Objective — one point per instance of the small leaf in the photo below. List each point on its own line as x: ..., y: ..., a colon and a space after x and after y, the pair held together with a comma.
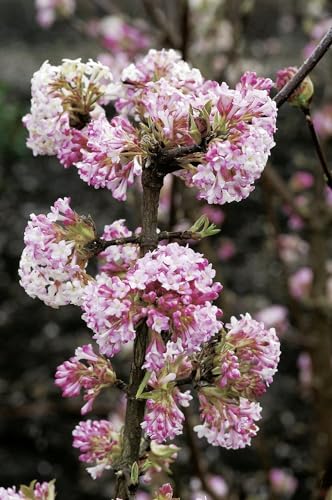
x: 146, y: 378
x: 134, y: 473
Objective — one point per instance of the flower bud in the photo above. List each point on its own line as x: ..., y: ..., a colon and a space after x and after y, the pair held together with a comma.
x: 302, y: 95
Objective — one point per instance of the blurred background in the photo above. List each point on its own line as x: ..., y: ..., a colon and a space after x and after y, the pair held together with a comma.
x: 272, y: 262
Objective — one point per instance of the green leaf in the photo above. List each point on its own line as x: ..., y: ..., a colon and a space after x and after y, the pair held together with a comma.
x: 146, y: 378
x: 134, y: 473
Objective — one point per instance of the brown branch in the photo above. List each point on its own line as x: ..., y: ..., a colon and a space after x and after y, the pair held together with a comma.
x: 97, y: 246
x: 305, y: 69
x: 319, y: 151
x: 132, y: 431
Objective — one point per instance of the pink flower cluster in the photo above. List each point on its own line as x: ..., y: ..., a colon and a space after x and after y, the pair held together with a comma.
x: 85, y: 371
x: 245, y: 361
x: 37, y: 491
x: 227, y: 423
x: 47, y: 10
x: 99, y: 444
x: 52, y: 266
x: 169, y: 105
x: 117, y: 258
x: 164, y: 419
x: 171, y: 287
x: 111, y: 156
x: 64, y: 99
x: 55, y: 257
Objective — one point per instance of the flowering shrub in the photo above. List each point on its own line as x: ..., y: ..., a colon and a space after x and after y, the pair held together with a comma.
x: 148, y: 293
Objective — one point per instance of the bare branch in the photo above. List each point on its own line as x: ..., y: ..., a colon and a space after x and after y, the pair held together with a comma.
x: 318, y: 147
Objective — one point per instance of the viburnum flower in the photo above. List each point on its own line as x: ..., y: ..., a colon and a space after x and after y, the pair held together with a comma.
x: 164, y: 419
x: 99, y: 444
x: 85, y: 371
x: 10, y: 494
x: 111, y: 157
x: 64, y: 100
x: 47, y: 10
x: 247, y: 358
x: 35, y: 491
x: 242, y: 123
x: 172, y: 287
x: 226, y: 422
x: 302, y: 96
x: 53, y: 263
x: 117, y: 259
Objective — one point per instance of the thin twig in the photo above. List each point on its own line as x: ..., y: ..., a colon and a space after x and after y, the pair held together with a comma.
x: 318, y: 147
x: 305, y: 69
x: 98, y: 246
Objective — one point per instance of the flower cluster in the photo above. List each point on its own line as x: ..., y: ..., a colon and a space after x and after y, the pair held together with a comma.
x: 35, y: 491
x: 85, y: 371
x: 171, y: 288
x: 53, y: 263
x: 64, y: 100
x: 245, y: 360
x: 164, y: 419
x: 111, y: 156
x: 99, y: 444
x: 227, y: 134
x: 117, y: 259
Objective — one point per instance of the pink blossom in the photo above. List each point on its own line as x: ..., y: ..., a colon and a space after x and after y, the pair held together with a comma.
x: 111, y: 158
x: 109, y: 310
x: 85, y: 371
x: 53, y: 263
x: 163, y: 419
x: 292, y: 248
x: 47, y: 10
x: 243, y: 121
x: 227, y: 423
x: 274, y: 316
x: 172, y: 287
x: 282, y: 482
x: 300, y: 283
x: 99, y: 444
x: 165, y: 492
x: 258, y: 353
x: 214, y: 214
x: 304, y: 364
x: 10, y: 494
x: 120, y: 37
x: 301, y: 180
x: 226, y: 249
x: 322, y: 119
x: 64, y: 99
x: 117, y: 258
